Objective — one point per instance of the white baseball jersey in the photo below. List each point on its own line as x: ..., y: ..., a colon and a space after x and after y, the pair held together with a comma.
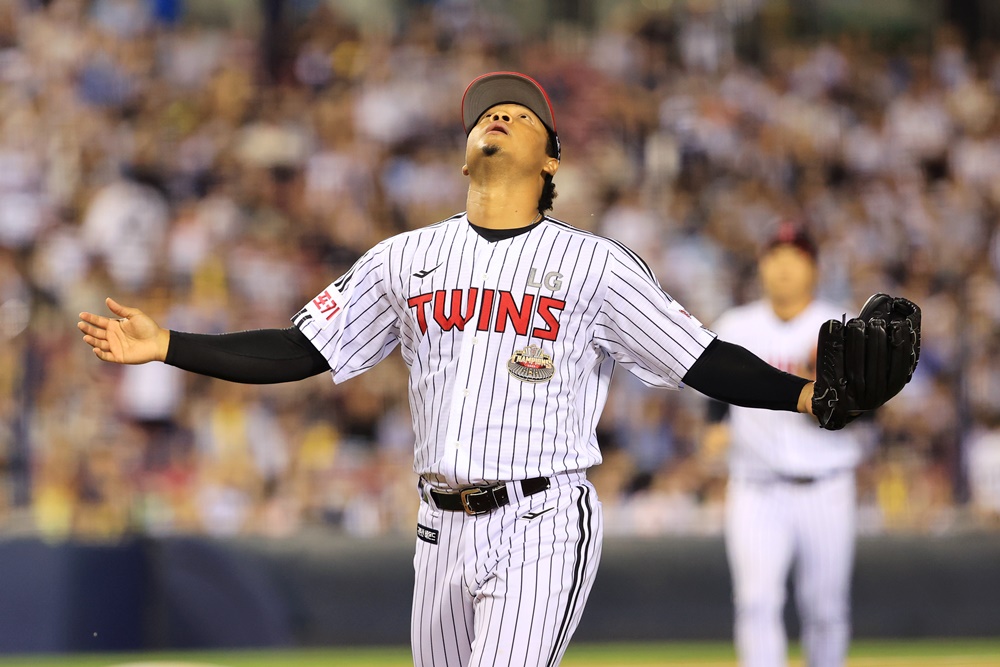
x: 764, y: 443
x: 510, y: 344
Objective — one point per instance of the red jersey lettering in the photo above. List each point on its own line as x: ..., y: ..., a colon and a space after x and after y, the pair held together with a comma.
x: 485, y: 311
x: 455, y: 317
x: 418, y: 302
x: 453, y: 309
x: 546, y: 305
x: 507, y: 309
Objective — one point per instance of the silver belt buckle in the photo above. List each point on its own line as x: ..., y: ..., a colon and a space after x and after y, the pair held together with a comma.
x: 474, y: 491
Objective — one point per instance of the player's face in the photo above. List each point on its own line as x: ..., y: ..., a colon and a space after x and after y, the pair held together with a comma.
x: 787, y: 273
x: 509, y: 132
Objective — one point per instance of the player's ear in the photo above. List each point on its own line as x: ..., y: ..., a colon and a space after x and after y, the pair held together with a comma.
x: 465, y: 170
x: 551, y: 166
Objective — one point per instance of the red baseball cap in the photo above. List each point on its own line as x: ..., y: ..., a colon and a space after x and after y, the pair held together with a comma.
x: 790, y: 233
x: 488, y: 90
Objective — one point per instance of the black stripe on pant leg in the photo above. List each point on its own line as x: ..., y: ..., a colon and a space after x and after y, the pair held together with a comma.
x: 582, y: 554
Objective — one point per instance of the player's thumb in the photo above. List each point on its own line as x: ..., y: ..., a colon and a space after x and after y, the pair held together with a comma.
x: 120, y: 310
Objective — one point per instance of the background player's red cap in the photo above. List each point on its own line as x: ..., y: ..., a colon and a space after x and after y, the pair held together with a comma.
x: 790, y: 233
x: 494, y: 88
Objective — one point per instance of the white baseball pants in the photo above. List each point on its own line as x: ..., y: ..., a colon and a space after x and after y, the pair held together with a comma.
x: 771, y: 526
x: 508, y: 587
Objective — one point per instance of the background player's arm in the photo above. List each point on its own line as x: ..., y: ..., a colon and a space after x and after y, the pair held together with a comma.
x: 714, y: 441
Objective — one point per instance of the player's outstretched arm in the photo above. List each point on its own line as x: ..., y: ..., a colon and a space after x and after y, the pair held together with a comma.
x: 261, y: 356
x: 732, y: 374
x: 130, y: 338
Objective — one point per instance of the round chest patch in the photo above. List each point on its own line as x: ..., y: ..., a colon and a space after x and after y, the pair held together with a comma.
x: 531, y: 364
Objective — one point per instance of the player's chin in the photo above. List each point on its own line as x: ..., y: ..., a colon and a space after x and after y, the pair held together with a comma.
x: 489, y: 150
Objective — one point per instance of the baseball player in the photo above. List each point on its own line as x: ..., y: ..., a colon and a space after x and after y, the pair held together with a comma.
x: 511, y: 323
x: 791, y: 495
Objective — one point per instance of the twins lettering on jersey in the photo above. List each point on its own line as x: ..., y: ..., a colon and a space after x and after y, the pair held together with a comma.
x: 493, y: 310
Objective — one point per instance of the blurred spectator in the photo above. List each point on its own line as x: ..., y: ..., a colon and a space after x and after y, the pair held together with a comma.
x: 125, y: 227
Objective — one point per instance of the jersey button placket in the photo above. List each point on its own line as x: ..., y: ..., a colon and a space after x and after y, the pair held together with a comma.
x: 471, y: 337
x: 463, y: 388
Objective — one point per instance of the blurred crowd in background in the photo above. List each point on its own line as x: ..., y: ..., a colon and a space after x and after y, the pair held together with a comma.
x: 219, y: 175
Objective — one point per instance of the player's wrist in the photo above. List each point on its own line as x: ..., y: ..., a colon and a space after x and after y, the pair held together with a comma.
x: 162, y: 344
x: 805, y: 398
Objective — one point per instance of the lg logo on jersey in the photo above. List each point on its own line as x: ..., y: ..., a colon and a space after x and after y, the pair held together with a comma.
x: 453, y: 309
x: 552, y: 280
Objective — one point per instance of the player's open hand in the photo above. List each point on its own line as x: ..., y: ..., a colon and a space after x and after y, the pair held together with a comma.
x: 131, y: 338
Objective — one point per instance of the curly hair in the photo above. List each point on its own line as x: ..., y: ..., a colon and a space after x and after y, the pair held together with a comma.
x: 549, y: 189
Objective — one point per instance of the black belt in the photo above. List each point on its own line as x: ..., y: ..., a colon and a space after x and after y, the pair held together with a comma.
x: 795, y: 480
x: 799, y: 480
x: 806, y: 480
x: 483, y: 499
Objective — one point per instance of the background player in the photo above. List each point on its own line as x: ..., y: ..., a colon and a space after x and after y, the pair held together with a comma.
x: 511, y: 323
x: 791, y: 494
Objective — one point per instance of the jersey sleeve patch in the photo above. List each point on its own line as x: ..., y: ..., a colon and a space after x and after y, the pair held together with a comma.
x: 325, y: 307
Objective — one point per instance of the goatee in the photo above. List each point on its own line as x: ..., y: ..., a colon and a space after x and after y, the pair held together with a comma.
x: 489, y: 150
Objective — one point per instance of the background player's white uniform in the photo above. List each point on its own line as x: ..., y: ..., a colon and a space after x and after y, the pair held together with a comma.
x: 791, y: 497
x: 507, y: 587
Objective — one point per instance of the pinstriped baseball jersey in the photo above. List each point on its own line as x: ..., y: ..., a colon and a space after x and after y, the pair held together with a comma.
x: 510, y: 344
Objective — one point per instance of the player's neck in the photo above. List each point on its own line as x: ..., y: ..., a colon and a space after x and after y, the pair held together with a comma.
x: 788, y: 309
x: 502, y: 205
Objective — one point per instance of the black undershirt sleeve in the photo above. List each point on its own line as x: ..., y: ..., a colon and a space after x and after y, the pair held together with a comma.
x: 734, y: 375
x: 262, y: 356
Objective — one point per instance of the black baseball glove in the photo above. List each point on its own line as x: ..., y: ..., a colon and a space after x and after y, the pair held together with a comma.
x: 862, y: 363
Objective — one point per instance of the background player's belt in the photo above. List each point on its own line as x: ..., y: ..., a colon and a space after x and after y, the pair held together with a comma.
x: 483, y: 499
x: 806, y: 480
x: 795, y: 480
x: 800, y: 480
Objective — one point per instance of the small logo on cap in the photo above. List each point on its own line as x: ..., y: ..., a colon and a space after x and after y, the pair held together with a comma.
x: 531, y: 364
